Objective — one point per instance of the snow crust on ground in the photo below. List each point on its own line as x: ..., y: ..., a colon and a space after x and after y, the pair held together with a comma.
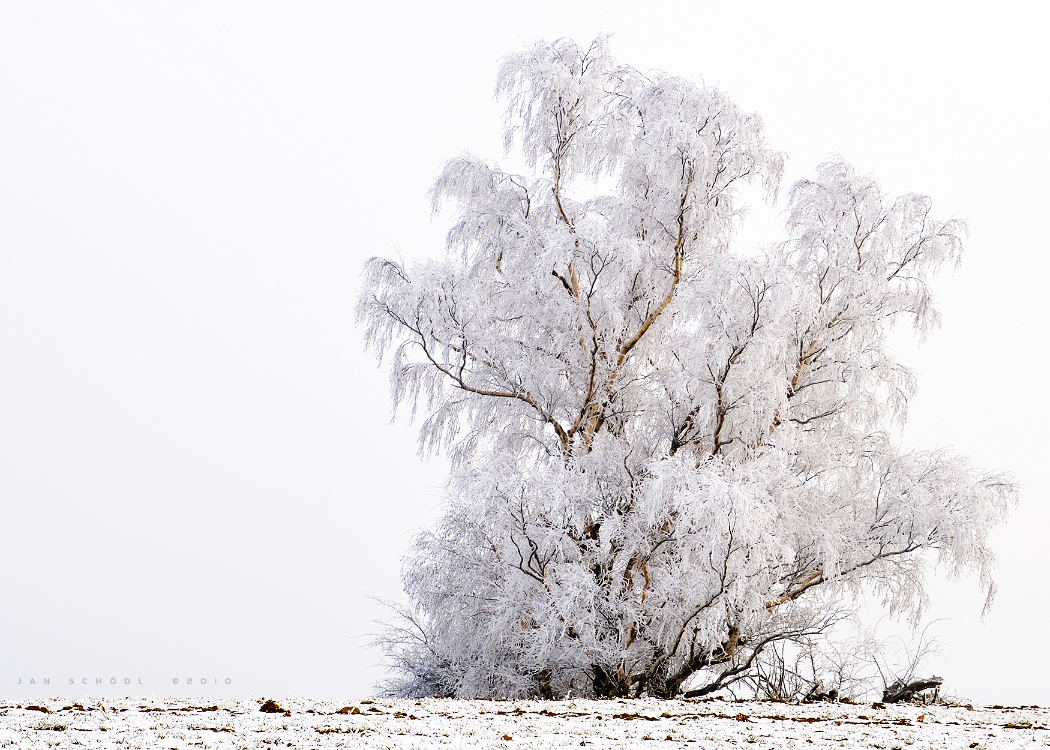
x: 649, y: 724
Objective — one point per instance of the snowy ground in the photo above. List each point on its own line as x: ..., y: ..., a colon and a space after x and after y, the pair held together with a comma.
x: 648, y: 724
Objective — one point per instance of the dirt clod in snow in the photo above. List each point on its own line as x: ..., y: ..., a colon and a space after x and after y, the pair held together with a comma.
x: 271, y: 707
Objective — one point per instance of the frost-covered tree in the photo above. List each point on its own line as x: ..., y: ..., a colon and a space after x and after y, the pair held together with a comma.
x: 666, y: 454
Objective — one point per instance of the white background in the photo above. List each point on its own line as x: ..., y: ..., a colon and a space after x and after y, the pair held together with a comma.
x: 198, y: 474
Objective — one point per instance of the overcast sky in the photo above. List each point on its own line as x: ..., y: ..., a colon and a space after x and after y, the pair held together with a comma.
x: 198, y: 474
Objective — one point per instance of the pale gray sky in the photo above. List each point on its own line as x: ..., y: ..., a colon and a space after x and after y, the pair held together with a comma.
x: 198, y: 477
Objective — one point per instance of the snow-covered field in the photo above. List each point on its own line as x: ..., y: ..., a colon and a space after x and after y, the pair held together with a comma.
x: 433, y: 723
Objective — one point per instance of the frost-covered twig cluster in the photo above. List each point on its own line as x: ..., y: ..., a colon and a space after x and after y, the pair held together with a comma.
x: 667, y: 455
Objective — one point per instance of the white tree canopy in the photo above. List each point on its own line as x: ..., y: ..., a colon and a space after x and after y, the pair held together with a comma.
x: 665, y: 453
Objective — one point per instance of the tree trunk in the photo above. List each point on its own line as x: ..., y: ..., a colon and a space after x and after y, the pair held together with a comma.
x: 905, y: 691
x: 543, y: 679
